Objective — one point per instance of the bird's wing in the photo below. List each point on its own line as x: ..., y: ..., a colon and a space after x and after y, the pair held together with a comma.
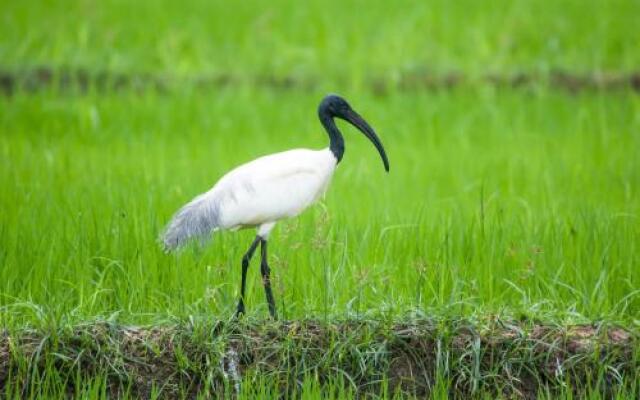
x: 279, y: 186
x: 263, y: 190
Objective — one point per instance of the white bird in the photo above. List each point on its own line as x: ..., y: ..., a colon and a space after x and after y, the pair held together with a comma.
x: 267, y: 189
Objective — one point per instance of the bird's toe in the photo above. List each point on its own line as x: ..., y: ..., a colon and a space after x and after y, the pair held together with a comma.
x: 240, y: 309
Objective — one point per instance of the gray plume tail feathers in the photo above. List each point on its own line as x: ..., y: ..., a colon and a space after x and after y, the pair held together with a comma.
x: 197, y: 219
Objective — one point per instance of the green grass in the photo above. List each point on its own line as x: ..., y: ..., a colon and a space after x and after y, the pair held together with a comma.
x: 496, y: 202
x: 346, y: 41
x: 520, y: 202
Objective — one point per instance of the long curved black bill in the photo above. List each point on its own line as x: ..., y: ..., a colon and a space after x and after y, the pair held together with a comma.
x: 357, y: 121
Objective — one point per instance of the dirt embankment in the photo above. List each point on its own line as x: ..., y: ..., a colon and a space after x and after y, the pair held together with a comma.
x: 82, y: 80
x: 509, y: 358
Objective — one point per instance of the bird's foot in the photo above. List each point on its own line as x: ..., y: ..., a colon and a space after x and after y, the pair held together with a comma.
x: 240, y: 309
x: 273, y: 313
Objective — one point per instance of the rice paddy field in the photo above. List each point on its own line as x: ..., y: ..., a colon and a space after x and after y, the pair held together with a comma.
x: 513, y: 134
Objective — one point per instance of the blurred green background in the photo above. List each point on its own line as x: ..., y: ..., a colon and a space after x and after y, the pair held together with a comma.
x: 351, y: 40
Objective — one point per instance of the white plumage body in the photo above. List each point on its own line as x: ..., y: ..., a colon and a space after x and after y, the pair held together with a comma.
x: 255, y: 194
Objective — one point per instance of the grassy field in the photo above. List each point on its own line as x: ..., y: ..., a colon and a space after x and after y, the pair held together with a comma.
x: 501, y: 201
x: 329, y: 40
x: 496, y: 202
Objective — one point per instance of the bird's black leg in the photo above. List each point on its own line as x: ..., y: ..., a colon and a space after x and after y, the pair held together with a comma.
x: 245, y: 266
x: 266, y: 281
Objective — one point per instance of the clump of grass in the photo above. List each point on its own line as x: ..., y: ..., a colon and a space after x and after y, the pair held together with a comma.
x: 416, y: 357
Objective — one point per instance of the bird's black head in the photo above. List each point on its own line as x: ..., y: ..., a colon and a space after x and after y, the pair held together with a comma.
x: 334, y: 106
